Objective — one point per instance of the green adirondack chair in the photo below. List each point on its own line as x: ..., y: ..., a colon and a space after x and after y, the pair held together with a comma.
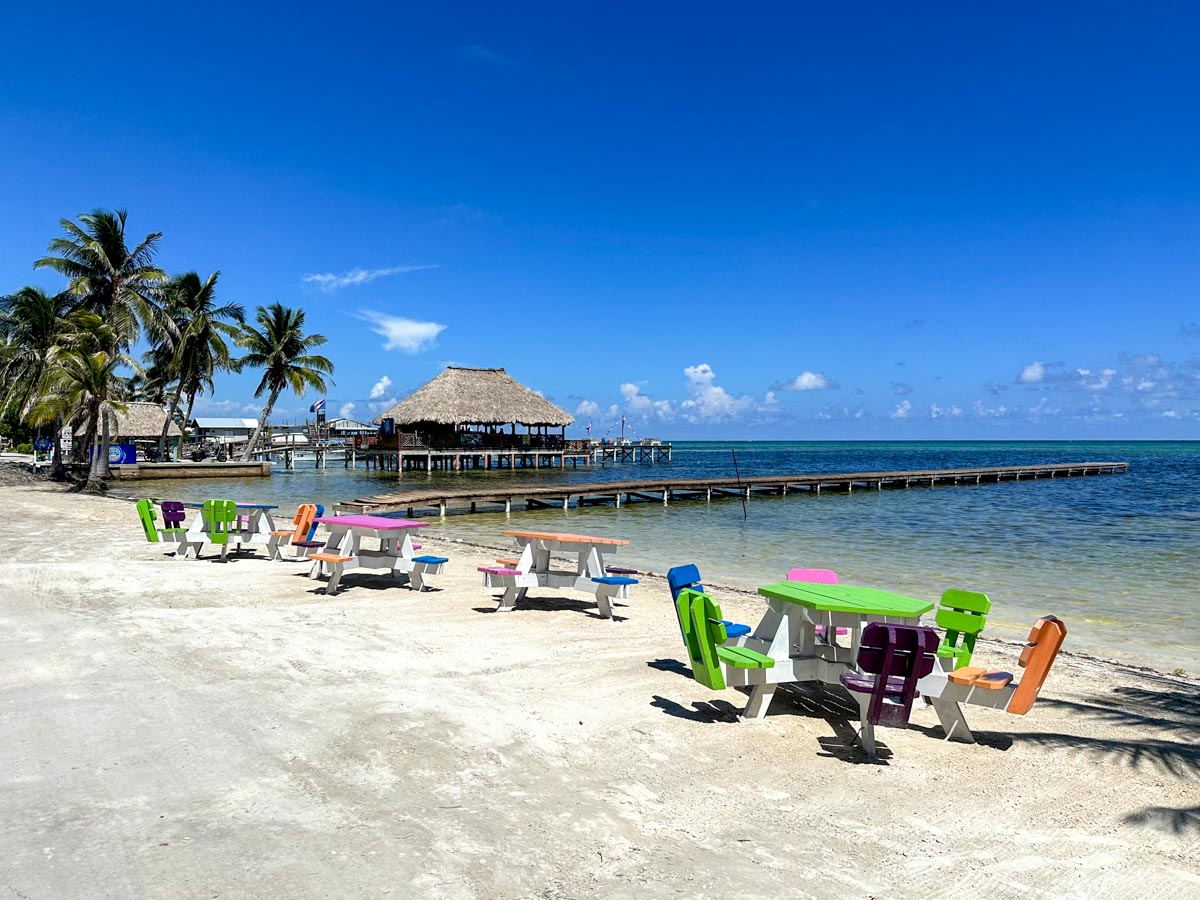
x: 704, y: 633
x: 963, y: 614
x: 220, y: 517
x: 145, y: 511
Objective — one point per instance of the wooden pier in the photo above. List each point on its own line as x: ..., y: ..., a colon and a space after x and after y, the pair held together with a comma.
x: 494, y: 498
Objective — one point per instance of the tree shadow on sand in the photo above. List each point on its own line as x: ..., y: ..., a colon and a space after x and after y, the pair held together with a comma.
x: 1170, y: 712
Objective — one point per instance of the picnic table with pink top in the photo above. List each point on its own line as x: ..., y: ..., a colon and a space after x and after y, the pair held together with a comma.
x: 396, y: 553
x: 532, y: 568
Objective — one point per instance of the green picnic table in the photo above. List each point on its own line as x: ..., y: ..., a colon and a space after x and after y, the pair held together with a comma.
x: 847, y: 598
x: 788, y: 633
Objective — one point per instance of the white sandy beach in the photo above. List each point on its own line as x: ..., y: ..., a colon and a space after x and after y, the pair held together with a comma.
x: 194, y: 729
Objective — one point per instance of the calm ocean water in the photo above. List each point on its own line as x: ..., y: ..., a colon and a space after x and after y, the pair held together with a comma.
x: 1116, y: 557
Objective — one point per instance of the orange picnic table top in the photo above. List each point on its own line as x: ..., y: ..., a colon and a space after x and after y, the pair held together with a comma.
x: 565, y: 538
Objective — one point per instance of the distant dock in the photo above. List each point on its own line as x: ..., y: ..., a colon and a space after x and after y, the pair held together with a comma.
x: 494, y: 498
x: 207, y: 469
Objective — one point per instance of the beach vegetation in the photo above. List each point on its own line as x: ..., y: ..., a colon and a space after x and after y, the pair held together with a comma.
x: 65, y: 356
x: 119, y: 285
x: 279, y: 346
x: 192, y: 345
x: 81, y: 387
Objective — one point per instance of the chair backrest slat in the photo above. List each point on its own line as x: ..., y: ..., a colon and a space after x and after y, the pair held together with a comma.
x: 145, y: 511
x: 963, y: 614
x: 679, y: 579
x: 1045, y: 640
x: 221, y: 516
x: 682, y: 577
x: 173, y: 513
x: 813, y: 576
x: 708, y: 632
x: 888, y: 652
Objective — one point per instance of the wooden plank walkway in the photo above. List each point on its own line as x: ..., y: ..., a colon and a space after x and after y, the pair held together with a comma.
x: 442, y: 501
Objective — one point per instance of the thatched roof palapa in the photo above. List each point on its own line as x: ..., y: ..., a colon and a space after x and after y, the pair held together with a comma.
x: 460, y: 396
x: 140, y: 421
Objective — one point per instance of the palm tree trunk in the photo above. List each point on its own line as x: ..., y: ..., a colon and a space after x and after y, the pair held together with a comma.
x: 187, y: 419
x: 102, y: 457
x: 58, y: 471
x: 262, y: 421
x: 95, y: 480
x: 162, y: 438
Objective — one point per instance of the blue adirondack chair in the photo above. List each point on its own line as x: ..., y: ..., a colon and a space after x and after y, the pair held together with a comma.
x: 688, y: 576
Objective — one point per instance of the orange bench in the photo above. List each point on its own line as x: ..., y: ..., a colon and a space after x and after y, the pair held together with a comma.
x: 335, y: 563
x: 984, y: 687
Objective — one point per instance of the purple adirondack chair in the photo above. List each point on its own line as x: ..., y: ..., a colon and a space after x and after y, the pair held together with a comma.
x: 893, y: 658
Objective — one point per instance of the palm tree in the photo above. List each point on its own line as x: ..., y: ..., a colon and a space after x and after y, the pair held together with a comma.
x: 35, y: 328
x: 195, y: 340
x: 108, y: 279
x: 78, y: 386
x: 281, y: 349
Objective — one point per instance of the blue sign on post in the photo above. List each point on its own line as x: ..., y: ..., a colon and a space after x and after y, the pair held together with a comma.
x: 120, y: 454
x: 43, y: 445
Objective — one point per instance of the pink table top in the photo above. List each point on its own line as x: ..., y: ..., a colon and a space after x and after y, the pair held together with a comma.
x: 376, y: 523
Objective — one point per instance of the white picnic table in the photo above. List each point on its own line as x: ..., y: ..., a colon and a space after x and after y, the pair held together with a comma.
x: 533, y: 568
x: 256, y: 530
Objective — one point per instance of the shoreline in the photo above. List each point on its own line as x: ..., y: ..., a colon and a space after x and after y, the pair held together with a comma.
x: 724, y: 590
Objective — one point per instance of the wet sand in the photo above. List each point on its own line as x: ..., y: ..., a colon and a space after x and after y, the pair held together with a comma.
x: 198, y: 729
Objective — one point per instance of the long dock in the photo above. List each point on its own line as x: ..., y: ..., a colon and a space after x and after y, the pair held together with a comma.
x: 493, y: 498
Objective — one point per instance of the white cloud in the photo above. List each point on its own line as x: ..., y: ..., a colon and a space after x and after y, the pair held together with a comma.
x: 708, y: 401
x: 635, y: 399
x: 769, y: 399
x: 808, y: 381
x: 381, y: 387
x: 1170, y: 414
x: 587, y: 408
x: 903, y: 408
x: 378, y: 406
x: 401, y: 333
x: 347, y: 411
x: 329, y: 282
x: 1033, y: 373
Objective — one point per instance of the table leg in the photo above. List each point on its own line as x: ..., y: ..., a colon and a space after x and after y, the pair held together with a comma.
x: 954, y: 723
x: 760, y: 699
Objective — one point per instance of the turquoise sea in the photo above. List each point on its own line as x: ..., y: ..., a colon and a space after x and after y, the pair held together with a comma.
x: 1116, y: 557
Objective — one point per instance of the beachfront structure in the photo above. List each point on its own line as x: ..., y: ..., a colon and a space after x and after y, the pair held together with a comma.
x: 471, y: 418
x: 224, y: 430
x: 139, y: 423
x: 343, y: 428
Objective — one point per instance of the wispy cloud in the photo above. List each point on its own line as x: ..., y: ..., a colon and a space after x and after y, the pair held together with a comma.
x: 329, y: 282
x: 400, y: 333
x: 477, y: 53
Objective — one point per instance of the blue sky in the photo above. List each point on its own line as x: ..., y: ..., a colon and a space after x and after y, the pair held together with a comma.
x: 788, y: 221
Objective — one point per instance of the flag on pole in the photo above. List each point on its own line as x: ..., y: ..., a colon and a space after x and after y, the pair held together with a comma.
x: 318, y: 406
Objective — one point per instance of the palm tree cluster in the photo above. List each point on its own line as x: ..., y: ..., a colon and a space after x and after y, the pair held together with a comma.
x: 65, y: 358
